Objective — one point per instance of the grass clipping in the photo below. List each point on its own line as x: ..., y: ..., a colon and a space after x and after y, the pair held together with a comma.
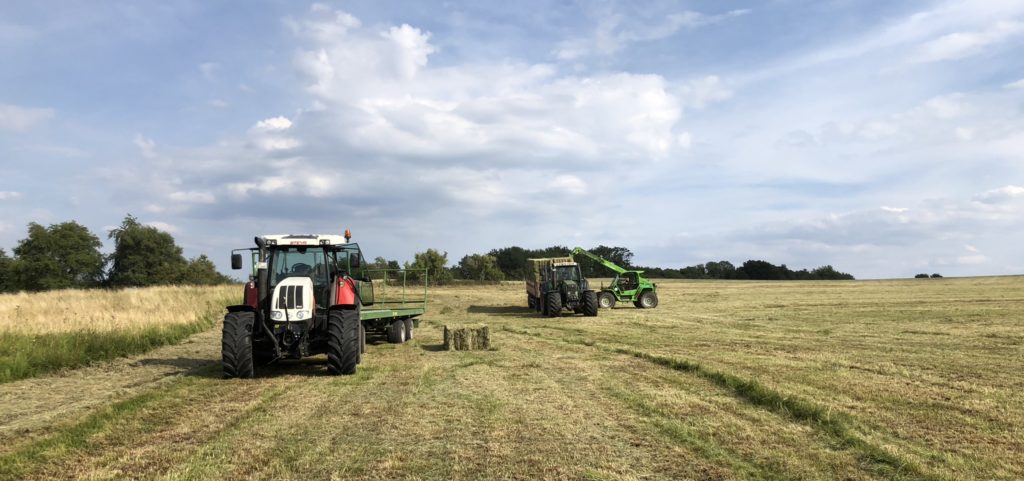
x: 467, y: 338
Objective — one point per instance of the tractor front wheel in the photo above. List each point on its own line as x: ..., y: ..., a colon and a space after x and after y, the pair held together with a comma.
x: 589, y: 303
x: 236, y: 344
x: 648, y: 300
x: 396, y: 333
x: 606, y: 300
x: 553, y: 304
x: 342, y: 341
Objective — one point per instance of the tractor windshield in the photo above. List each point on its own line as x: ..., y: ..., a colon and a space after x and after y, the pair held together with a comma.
x: 299, y: 262
x: 567, y: 273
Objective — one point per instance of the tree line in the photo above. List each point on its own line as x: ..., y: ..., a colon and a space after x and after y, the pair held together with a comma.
x: 67, y: 256
x: 510, y: 263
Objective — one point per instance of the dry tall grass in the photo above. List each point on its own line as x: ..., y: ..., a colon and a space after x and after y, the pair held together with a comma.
x: 109, y: 310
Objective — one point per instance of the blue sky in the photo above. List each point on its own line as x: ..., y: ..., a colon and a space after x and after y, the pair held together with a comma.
x: 884, y: 138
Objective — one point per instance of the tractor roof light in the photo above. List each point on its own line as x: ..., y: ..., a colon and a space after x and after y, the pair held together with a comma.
x: 348, y: 235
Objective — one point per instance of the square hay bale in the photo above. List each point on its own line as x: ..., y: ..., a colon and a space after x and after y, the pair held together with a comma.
x: 467, y: 338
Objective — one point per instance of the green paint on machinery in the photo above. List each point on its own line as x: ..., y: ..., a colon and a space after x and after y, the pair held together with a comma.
x: 627, y: 285
x: 555, y: 284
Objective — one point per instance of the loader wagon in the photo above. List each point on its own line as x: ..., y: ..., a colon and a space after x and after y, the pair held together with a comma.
x: 313, y: 294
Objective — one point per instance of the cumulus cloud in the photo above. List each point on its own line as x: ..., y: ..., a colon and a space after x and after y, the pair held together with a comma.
x: 192, y: 197
x: 1000, y: 195
x: 164, y: 226
x: 1019, y: 84
x: 959, y: 45
x: 13, y: 117
x: 9, y: 195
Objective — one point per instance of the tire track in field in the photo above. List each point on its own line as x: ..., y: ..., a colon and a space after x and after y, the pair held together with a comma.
x: 834, y: 425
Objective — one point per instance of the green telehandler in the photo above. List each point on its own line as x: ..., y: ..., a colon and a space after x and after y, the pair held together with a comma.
x: 627, y: 285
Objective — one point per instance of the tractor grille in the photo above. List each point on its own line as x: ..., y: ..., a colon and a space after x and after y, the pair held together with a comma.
x: 290, y: 298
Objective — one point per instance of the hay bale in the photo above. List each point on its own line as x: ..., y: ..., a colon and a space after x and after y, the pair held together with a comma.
x: 467, y: 338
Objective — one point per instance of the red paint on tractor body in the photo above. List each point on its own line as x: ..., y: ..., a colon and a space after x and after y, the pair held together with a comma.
x: 345, y: 291
x: 252, y: 296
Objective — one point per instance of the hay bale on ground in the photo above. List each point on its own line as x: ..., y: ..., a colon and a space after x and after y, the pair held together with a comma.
x: 467, y: 338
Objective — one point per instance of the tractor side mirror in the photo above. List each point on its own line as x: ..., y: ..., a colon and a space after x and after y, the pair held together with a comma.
x: 236, y: 261
x: 354, y: 261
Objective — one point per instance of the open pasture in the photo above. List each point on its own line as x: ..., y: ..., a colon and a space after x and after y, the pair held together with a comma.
x: 914, y: 379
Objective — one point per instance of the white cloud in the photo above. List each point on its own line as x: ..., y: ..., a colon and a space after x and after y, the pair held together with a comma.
x: 164, y: 226
x: 146, y: 146
x: 970, y: 248
x: 273, y: 124
x: 9, y: 195
x: 192, y: 197
x: 569, y: 184
x: 959, y: 45
x: 1019, y: 84
x: 1000, y: 195
x: 209, y: 70
x: 218, y: 103
x: 13, y: 117
x: 972, y: 259
x: 897, y: 210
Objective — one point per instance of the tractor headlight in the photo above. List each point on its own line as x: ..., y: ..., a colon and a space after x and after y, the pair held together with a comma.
x: 276, y: 315
x: 302, y: 314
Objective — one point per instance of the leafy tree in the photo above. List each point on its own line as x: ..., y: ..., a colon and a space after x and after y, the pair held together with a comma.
x: 720, y: 270
x: 144, y: 256
x: 480, y: 268
x: 936, y: 275
x: 202, y: 271
x: 60, y: 256
x: 829, y: 273
x: 7, y: 283
x: 511, y: 261
x: 434, y: 262
x: 618, y: 255
x: 921, y: 276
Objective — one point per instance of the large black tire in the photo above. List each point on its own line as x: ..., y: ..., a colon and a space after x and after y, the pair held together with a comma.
x: 589, y: 303
x: 648, y: 300
x: 532, y: 304
x: 362, y: 343
x: 342, y: 341
x: 409, y: 325
x: 236, y: 344
x: 396, y: 333
x: 553, y: 304
x: 606, y: 300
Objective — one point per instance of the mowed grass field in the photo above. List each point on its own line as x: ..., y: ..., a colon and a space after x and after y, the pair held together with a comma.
x: 914, y: 379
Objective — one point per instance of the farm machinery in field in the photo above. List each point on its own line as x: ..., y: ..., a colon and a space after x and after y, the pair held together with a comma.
x: 313, y: 294
x: 556, y: 283
x: 627, y: 285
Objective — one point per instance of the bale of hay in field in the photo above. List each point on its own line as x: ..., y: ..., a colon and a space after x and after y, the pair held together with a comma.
x: 467, y: 338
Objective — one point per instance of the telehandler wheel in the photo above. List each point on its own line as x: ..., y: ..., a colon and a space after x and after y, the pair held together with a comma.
x: 606, y: 300
x: 408, y: 329
x: 589, y: 303
x: 553, y: 304
x: 396, y: 333
x: 648, y: 300
x: 342, y: 341
x: 236, y: 344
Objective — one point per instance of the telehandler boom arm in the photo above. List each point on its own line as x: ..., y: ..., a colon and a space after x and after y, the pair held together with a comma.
x: 605, y: 262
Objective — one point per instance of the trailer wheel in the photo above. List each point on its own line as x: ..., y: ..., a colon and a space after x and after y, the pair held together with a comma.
x: 589, y: 303
x: 236, y: 344
x: 396, y: 334
x: 342, y: 341
x: 532, y: 304
x: 606, y: 300
x: 648, y: 300
x: 553, y: 306
x: 408, y: 329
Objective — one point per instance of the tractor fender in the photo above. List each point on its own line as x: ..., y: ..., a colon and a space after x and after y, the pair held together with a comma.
x: 242, y: 308
x: 344, y: 292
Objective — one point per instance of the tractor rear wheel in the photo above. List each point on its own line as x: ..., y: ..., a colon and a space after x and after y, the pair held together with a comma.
x: 236, y: 344
x: 396, y: 333
x: 606, y: 300
x: 342, y: 341
x: 532, y: 304
x: 648, y: 300
x: 408, y: 329
x: 589, y: 303
x: 553, y: 304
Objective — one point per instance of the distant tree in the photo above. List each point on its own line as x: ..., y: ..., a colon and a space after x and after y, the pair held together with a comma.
x: 7, y: 283
x: 144, y: 256
x: 936, y: 275
x: 921, y: 276
x: 827, y: 273
x: 60, y: 256
x: 694, y: 272
x: 434, y: 262
x: 720, y: 270
x: 511, y: 261
x: 201, y: 271
x: 620, y: 256
x: 763, y: 270
x: 480, y: 268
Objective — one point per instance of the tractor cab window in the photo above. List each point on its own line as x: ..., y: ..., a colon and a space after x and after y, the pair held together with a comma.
x: 566, y: 273
x: 299, y: 262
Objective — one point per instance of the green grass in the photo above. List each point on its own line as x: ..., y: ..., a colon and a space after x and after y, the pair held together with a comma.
x: 28, y: 355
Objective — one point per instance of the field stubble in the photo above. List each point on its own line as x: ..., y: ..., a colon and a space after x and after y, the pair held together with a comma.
x: 724, y: 380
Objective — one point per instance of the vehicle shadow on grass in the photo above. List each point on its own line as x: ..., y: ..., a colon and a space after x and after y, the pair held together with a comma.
x: 508, y: 311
